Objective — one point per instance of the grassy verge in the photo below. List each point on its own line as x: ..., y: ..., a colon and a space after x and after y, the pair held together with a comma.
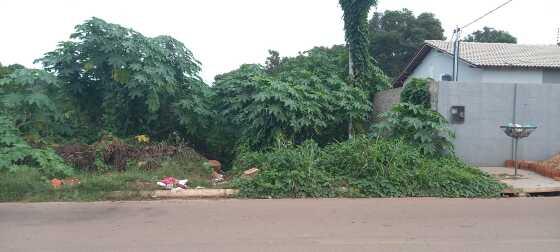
x: 30, y: 185
x: 361, y: 167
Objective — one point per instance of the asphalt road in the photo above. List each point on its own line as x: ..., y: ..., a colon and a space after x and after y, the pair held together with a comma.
x: 521, y: 224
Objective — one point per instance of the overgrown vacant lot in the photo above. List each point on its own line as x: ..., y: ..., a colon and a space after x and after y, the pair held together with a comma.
x: 119, y: 111
x: 99, y: 180
x: 362, y: 167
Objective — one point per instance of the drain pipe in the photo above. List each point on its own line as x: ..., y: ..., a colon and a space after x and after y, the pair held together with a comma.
x: 514, y: 141
x: 456, y: 51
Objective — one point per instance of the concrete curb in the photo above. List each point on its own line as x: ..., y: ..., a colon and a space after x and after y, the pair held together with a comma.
x: 182, y: 194
x: 195, y: 193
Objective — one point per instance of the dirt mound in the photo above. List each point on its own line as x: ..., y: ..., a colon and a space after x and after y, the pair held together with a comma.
x: 78, y: 155
x: 553, y: 162
x: 116, y: 154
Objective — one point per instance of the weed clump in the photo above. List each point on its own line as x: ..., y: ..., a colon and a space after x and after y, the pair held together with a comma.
x: 361, y: 167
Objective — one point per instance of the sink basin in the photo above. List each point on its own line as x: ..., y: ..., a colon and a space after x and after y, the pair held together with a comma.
x: 517, y: 130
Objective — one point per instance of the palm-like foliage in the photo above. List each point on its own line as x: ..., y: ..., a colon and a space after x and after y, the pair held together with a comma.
x: 303, y: 97
x: 419, y: 126
x: 126, y: 82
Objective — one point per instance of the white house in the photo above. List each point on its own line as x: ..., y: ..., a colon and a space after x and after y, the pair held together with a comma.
x: 485, y: 63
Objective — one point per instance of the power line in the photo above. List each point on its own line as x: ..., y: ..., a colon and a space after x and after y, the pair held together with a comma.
x: 488, y: 13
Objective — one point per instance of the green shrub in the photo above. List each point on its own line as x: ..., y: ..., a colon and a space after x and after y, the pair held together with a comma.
x: 306, y: 97
x: 22, y: 183
x: 122, y: 81
x: 16, y: 154
x: 419, y: 126
x: 450, y: 177
x: 361, y: 167
x: 417, y: 92
x: 286, y: 171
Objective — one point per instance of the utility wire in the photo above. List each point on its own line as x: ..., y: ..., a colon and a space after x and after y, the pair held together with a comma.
x: 488, y: 13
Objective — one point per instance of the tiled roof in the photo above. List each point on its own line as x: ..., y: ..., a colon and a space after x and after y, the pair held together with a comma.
x: 503, y: 55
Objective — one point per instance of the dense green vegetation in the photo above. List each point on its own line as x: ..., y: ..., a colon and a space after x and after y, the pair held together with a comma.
x: 419, y: 126
x: 491, y: 35
x: 395, y: 36
x: 417, y: 92
x: 361, y: 167
x: 31, y: 185
x: 362, y: 70
x: 305, y: 97
x: 16, y: 154
x: 119, y: 111
x: 129, y: 84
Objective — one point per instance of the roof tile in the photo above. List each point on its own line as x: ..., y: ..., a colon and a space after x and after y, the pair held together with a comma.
x: 503, y: 55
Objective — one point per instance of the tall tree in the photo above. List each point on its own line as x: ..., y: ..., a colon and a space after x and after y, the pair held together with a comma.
x: 362, y: 71
x: 128, y: 83
x: 491, y: 35
x: 396, y: 35
x: 7, y: 70
x: 306, y: 97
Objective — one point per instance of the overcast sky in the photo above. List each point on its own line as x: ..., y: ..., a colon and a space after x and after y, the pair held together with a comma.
x: 226, y: 33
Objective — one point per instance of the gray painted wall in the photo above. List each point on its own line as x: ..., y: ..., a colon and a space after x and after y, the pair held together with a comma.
x: 436, y: 64
x: 479, y: 140
x: 384, y: 101
x: 550, y: 77
x: 512, y: 76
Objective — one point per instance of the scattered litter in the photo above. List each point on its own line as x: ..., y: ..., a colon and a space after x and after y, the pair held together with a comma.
x: 217, y: 177
x: 71, y: 181
x: 56, y: 183
x: 172, y: 183
x: 251, y: 172
x: 182, y: 183
x: 162, y: 185
x: 200, y: 187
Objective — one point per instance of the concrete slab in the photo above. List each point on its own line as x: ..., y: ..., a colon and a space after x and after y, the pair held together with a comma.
x: 527, y: 182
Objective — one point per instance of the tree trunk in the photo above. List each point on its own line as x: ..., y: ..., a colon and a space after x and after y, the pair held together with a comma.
x: 351, y: 82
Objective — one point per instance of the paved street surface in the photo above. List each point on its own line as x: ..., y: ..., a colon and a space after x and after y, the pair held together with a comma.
x: 520, y: 224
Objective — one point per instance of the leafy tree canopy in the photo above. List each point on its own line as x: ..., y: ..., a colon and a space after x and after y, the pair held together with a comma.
x: 491, y: 35
x: 417, y: 92
x: 418, y: 125
x: 395, y: 36
x: 364, y: 72
x: 17, y: 154
x: 7, y: 70
x: 304, y: 96
x: 129, y: 83
x: 29, y: 96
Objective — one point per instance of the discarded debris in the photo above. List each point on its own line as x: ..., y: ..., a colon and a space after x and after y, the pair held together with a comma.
x: 251, y: 172
x: 56, y: 183
x: 71, y: 181
x: 172, y: 183
x: 217, y: 177
x: 182, y: 183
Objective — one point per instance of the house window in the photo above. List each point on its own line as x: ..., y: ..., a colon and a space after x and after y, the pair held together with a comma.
x: 447, y: 77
